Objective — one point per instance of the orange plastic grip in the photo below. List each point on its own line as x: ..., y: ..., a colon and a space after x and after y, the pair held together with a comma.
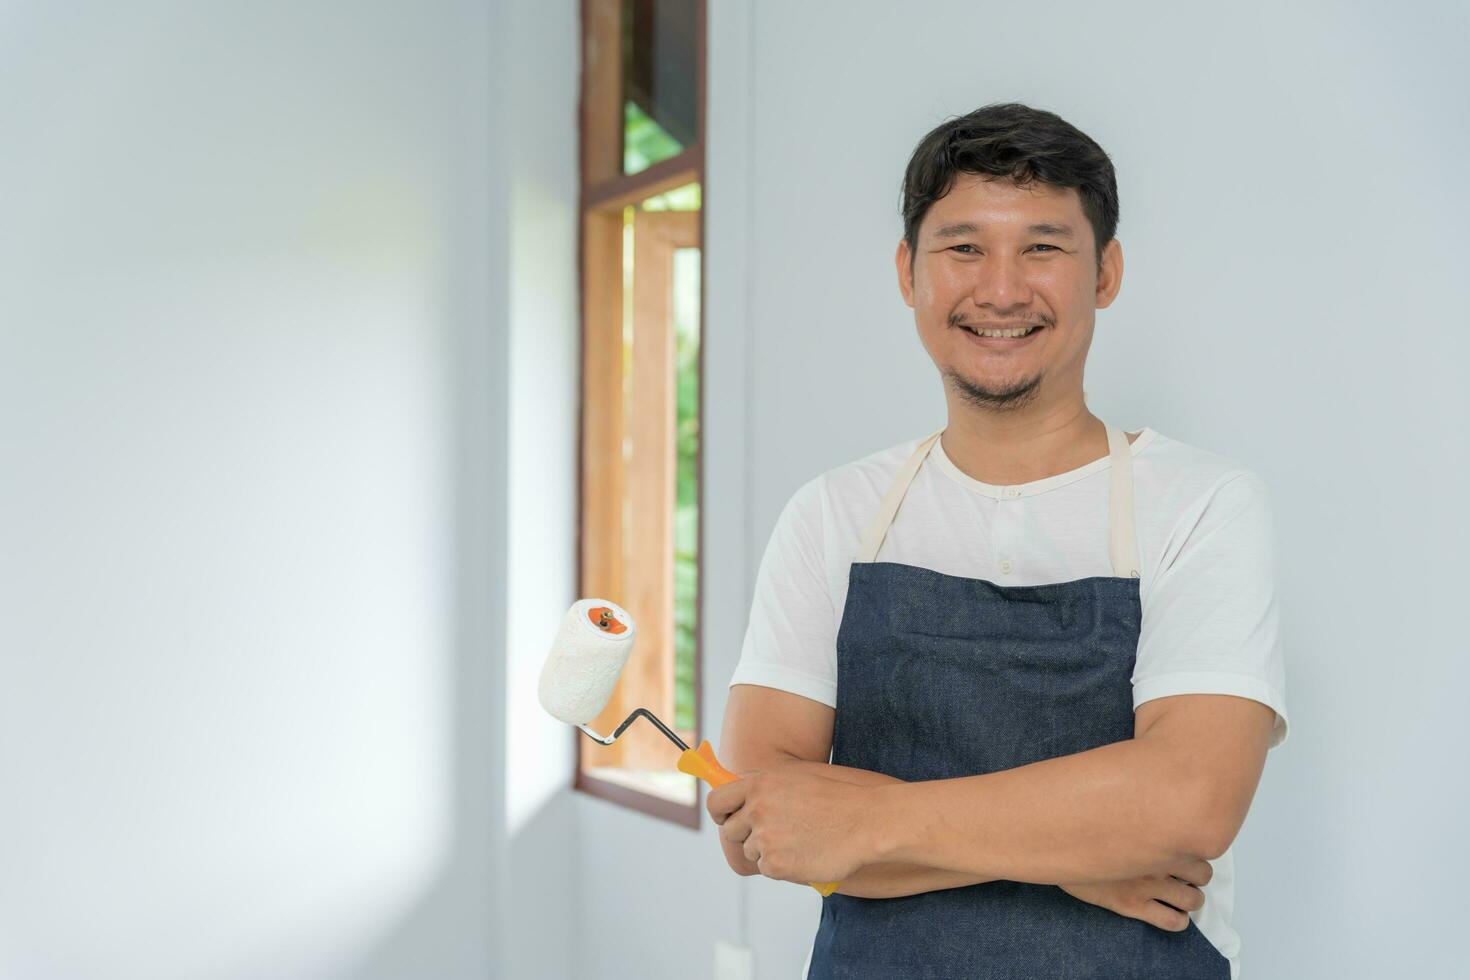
x: 702, y: 764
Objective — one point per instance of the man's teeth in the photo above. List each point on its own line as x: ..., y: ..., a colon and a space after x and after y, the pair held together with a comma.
x: 1018, y: 332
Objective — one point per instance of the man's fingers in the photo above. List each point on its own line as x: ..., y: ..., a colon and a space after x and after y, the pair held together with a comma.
x: 1182, y: 895
x: 1194, y: 872
x: 1168, y: 902
x: 736, y: 828
x: 1161, y: 915
x: 725, y: 800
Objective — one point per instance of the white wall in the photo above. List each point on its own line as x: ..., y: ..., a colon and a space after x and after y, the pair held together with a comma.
x: 1294, y: 230
x: 252, y: 416
x: 540, y: 68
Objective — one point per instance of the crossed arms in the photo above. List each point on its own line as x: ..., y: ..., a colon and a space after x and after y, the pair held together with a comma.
x: 1178, y: 790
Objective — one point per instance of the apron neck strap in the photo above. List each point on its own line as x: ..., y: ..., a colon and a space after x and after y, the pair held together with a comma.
x: 878, y: 528
x: 1122, y: 542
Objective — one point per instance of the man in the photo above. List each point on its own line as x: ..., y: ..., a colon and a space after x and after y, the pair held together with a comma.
x: 1041, y: 654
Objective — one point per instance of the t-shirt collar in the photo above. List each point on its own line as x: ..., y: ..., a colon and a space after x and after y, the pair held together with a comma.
x: 1017, y: 490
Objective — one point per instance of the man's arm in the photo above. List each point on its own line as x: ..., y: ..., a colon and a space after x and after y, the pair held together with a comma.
x: 769, y: 729
x: 1179, y: 789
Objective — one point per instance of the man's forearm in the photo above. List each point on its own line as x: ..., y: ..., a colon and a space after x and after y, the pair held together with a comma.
x: 896, y: 880
x: 1119, y: 811
x: 893, y: 879
x: 888, y: 880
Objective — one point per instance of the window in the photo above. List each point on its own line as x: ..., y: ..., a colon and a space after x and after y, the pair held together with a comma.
x: 642, y: 159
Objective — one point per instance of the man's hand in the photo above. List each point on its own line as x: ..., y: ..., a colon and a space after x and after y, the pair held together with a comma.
x: 1140, y: 898
x: 793, y: 824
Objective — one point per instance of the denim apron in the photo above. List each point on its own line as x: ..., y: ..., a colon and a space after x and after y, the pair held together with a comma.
x: 940, y: 677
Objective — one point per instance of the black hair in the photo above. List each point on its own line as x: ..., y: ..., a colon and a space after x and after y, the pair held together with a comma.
x: 1011, y: 140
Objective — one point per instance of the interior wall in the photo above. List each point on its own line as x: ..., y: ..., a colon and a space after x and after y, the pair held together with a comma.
x: 252, y: 409
x: 539, y: 139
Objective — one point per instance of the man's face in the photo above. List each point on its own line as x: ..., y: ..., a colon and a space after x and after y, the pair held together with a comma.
x: 993, y: 255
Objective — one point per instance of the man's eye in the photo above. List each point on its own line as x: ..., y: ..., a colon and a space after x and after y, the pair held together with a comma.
x: 957, y: 248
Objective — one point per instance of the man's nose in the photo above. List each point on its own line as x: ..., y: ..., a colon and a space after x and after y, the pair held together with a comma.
x: 1001, y: 283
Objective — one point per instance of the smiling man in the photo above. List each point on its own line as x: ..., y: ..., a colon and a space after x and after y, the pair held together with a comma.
x: 1013, y: 683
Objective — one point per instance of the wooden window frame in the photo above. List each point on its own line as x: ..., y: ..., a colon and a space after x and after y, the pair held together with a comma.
x: 604, y: 191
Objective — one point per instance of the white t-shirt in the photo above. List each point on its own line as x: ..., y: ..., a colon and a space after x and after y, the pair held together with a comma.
x: 1206, y: 576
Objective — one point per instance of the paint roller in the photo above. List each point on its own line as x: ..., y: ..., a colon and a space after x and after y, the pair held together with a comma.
x: 587, y: 657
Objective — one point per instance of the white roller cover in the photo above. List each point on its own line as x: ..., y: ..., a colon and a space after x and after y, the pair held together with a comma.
x: 585, y: 660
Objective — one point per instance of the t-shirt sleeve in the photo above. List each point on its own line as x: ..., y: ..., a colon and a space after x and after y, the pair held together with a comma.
x: 791, y: 640
x: 1210, y: 620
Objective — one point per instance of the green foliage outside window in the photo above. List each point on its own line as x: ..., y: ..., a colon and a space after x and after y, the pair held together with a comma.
x: 645, y: 142
x: 686, y: 498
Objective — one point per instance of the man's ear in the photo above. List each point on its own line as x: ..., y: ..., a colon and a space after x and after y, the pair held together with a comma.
x: 1110, y: 276
x: 905, y: 272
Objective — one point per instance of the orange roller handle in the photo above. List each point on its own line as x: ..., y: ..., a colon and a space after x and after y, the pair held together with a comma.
x: 702, y: 764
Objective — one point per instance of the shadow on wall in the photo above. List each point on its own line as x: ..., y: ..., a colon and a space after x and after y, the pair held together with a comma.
x: 433, y: 940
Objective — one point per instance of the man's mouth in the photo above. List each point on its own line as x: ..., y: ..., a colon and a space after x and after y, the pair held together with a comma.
x: 1002, y: 333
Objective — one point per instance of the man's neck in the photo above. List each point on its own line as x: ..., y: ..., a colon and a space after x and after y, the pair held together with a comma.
x: 1009, y: 449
